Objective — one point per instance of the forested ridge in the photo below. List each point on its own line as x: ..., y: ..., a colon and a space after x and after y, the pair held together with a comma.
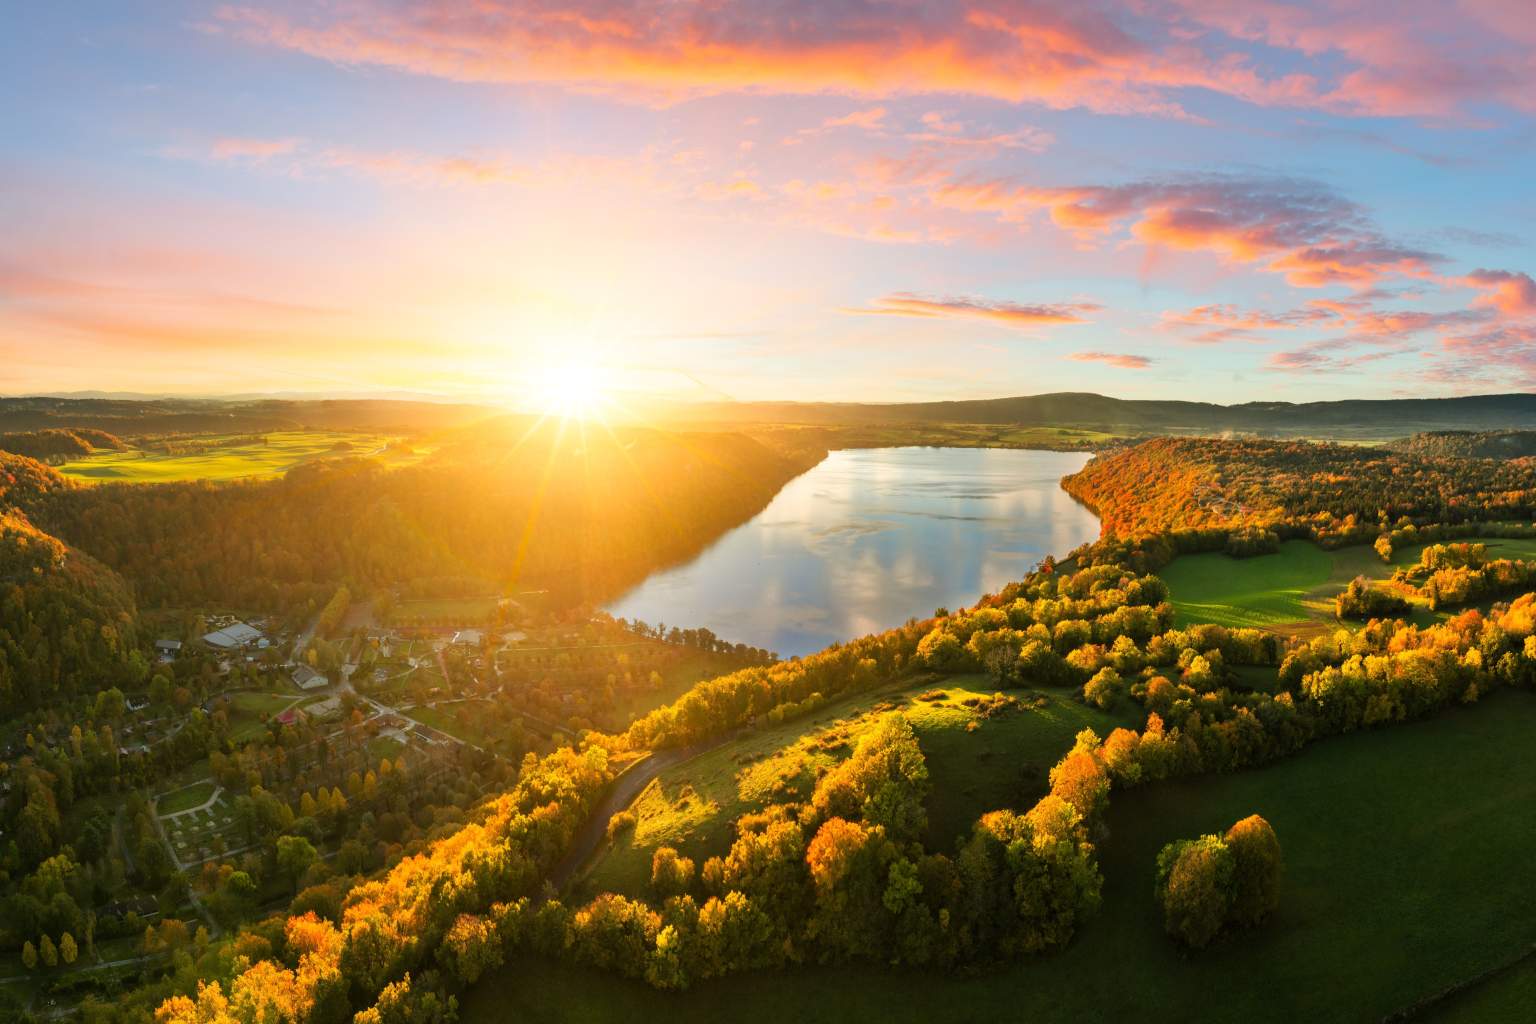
x: 67, y: 623
x: 57, y: 443
x: 503, y: 507
x: 1469, y: 444
x: 1330, y: 492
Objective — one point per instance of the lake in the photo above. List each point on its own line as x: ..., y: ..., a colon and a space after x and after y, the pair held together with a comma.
x: 868, y: 539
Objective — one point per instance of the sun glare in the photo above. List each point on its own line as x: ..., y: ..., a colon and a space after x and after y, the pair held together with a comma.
x: 571, y: 391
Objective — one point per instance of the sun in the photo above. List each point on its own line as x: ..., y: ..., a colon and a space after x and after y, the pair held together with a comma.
x: 570, y: 391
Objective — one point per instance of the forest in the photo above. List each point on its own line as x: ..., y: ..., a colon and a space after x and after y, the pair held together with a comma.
x: 365, y: 886
x: 581, y: 515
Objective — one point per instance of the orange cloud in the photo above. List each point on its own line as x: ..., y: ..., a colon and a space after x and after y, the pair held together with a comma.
x: 1123, y: 360
x: 1510, y: 292
x: 1334, y: 55
x: 1011, y: 314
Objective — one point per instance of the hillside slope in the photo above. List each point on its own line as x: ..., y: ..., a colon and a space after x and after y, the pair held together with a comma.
x: 507, y: 505
x: 1468, y: 444
x: 67, y: 623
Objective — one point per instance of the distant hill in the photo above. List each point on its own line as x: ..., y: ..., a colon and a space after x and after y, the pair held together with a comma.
x: 1469, y: 444
x: 1375, y: 418
x: 1366, y: 419
x: 131, y: 417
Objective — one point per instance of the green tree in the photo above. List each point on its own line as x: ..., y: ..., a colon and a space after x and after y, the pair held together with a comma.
x: 1257, y: 868
x: 1194, y: 886
x: 67, y: 948
x: 110, y: 705
x: 29, y: 955
x: 50, y: 952
x: 294, y: 856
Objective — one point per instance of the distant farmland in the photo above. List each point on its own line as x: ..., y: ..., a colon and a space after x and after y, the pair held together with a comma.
x: 233, y: 457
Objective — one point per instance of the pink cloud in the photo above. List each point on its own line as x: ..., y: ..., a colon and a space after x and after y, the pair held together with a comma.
x: 1123, y: 360
x: 1011, y: 314
x: 1510, y: 292
x: 1502, y: 357
x: 1217, y: 323
x: 1425, y: 59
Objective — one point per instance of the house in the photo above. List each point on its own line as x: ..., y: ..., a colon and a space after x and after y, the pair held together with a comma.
x: 236, y: 635
x: 290, y: 716
x: 324, y: 710
x: 467, y: 638
x: 168, y: 650
x: 306, y: 678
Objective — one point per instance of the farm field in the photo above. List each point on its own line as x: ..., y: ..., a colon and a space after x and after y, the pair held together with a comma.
x: 1000, y: 762
x: 234, y: 457
x: 1293, y: 587
x: 1364, y: 820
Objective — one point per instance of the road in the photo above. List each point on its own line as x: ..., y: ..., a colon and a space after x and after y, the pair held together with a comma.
x: 620, y: 795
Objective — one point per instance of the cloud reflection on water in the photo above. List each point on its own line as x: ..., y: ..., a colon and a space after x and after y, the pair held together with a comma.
x: 869, y: 539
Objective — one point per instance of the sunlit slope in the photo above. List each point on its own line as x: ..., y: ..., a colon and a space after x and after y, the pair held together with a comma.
x: 68, y: 624
x: 225, y: 457
x: 984, y: 751
x: 1364, y: 820
x: 1292, y: 587
x: 579, y: 512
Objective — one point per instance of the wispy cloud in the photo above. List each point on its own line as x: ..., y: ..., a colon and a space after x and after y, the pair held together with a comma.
x: 1010, y: 314
x: 1124, y: 360
x: 1435, y: 60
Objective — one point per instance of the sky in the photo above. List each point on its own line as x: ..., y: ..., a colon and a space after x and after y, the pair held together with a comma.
x: 870, y: 200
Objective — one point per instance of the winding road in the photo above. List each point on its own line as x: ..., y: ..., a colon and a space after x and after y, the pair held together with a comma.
x: 627, y: 785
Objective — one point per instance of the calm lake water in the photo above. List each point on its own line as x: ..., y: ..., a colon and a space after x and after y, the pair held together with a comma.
x: 868, y: 539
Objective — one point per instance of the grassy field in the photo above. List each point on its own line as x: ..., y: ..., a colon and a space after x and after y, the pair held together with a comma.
x: 1293, y: 587
x: 183, y: 799
x: 1507, y: 996
x: 976, y: 764
x: 234, y: 458
x: 248, y: 712
x: 1411, y: 864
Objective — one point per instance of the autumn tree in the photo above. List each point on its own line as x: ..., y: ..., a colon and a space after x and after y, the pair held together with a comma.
x: 1257, y: 870
x: 671, y: 875
x: 1194, y: 886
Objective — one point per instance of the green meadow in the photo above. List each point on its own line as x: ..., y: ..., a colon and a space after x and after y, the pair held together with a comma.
x: 977, y: 762
x: 185, y: 798
x: 233, y: 457
x: 1292, y: 587
x: 1410, y: 863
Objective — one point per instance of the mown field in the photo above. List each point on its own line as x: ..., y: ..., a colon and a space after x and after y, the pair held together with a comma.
x: 234, y: 457
x: 1293, y: 587
x: 183, y: 799
x: 976, y: 763
x: 1411, y: 866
